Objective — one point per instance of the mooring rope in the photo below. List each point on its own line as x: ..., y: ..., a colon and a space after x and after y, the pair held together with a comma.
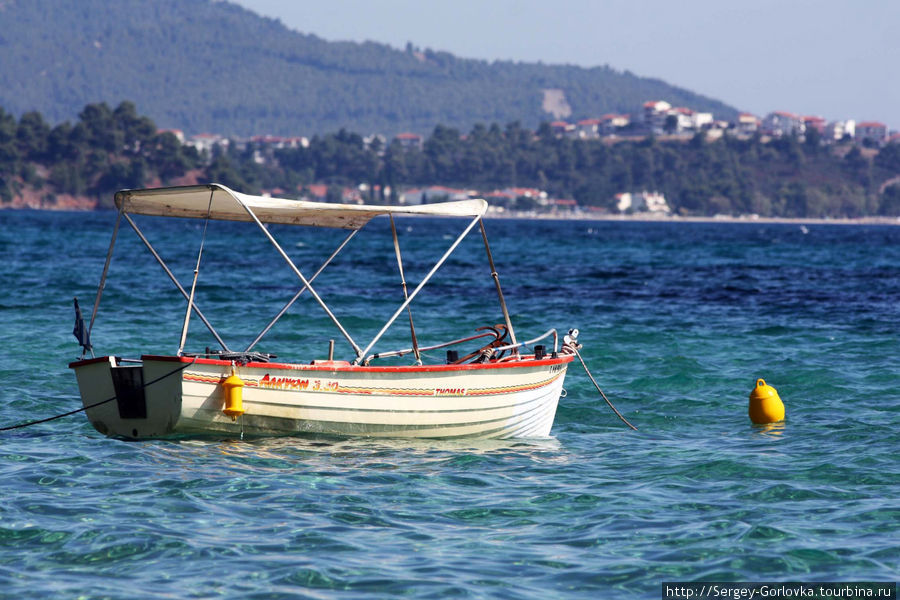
x: 78, y: 410
x: 594, y: 381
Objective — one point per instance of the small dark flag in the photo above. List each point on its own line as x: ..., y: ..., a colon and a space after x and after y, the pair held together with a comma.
x: 81, y: 332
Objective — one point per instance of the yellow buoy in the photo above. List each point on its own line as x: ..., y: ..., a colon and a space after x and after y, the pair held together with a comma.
x: 234, y: 401
x: 765, y: 405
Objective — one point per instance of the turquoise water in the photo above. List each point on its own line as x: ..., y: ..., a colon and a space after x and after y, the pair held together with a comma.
x: 677, y: 321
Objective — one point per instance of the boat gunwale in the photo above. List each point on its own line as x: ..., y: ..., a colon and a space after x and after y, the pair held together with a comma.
x: 343, y: 366
x: 88, y: 361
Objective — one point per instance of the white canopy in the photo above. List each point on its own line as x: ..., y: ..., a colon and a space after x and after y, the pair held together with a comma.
x: 194, y: 202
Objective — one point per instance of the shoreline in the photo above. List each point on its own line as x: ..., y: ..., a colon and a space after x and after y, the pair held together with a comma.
x: 76, y: 207
x: 746, y: 219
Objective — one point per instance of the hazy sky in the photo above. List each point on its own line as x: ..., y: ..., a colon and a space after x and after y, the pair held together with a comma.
x: 834, y: 58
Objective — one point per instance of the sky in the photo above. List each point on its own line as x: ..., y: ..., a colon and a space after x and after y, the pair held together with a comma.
x: 838, y: 59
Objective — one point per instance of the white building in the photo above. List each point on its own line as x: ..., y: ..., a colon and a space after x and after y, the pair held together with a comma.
x: 747, y: 124
x: 643, y: 202
x: 688, y: 119
x: 780, y: 123
x: 205, y: 142
x: 659, y: 114
x: 684, y: 119
x: 655, y: 113
x: 587, y: 129
x: 434, y: 193
x: 611, y: 123
x: 699, y: 120
x: 871, y: 131
x: 836, y: 130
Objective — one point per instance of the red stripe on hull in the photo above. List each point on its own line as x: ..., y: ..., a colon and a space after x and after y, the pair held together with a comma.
x: 347, y: 368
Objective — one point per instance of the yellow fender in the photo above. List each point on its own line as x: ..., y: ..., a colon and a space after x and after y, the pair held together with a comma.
x: 234, y: 396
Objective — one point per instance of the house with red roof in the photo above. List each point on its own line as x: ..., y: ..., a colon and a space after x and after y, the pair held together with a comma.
x: 872, y: 132
x: 314, y: 191
x: 780, y: 123
x: 655, y: 113
x: 561, y: 128
x: 659, y: 114
x: 588, y: 128
x: 611, y: 123
x: 817, y: 123
x: 409, y: 141
x: 747, y: 124
x: 562, y: 204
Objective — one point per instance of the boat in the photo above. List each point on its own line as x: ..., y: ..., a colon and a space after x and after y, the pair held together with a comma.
x: 500, y: 388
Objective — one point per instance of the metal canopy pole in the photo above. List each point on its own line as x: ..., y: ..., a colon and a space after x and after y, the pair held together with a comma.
x: 496, y: 277
x: 303, y: 289
x: 102, y: 285
x: 165, y: 267
x: 412, y: 328
x: 300, y: 275
x: 187, y: 313
x: 418, y: 287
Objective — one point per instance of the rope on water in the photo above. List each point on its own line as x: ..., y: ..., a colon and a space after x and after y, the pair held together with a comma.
x: 78, y: 410
x: 594, y: 381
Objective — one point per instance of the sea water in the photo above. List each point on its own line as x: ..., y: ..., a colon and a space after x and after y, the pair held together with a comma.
x: 678, y: 320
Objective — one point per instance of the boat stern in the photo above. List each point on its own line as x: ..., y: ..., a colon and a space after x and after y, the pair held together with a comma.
x: 127, y: 398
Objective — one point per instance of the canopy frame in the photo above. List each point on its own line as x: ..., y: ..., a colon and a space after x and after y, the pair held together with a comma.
x: 221, y: 203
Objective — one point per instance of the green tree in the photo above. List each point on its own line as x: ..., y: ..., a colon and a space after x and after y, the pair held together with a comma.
x: 890, y: 201
x: 222, y: 171
x: 168, y: 158
x: 32, y: 136
x: 888, y: 158
x: 9, y: 153
x: 101, y: 132
x: 812, y: 140
x: 858, y: 166
x: 137, y: 131
x: 671, y: 124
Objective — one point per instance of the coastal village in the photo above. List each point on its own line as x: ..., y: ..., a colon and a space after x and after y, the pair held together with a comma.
x: 655, y: 118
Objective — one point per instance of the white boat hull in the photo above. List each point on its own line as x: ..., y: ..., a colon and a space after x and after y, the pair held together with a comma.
x: 172, y: 396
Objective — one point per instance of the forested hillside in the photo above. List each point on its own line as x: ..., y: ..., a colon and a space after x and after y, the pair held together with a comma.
x: 107, y: 149
x: 211, y: 66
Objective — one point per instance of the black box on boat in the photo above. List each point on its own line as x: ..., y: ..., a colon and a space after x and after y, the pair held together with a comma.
x: 129, y: 385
